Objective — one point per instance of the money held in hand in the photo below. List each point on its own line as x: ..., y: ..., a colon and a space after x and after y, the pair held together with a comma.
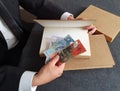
x: 65, y: 48
x: 71, y: 51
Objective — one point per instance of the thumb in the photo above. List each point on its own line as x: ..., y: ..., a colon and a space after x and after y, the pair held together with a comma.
x: 55, y: 60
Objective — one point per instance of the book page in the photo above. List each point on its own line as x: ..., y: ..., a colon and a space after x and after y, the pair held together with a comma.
x: 75, y: 33
x: 65, y: 23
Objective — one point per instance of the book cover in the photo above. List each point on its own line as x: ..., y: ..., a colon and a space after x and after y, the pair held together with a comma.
x: 106, y: 22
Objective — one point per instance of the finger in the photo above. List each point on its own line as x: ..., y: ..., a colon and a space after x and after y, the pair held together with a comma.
x: 82, y: 19
x: 55, y: 60
x: 70, y: 18
x: 58, y: 63
x: 92, y: 31
x: 61, y: 66
x: 89, y: 27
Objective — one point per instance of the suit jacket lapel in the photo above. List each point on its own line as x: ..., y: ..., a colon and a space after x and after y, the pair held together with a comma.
x: 2, y: 40
x: 10, y: 21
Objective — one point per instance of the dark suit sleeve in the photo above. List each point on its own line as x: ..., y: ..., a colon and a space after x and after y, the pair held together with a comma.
x: 9, y: 78
x: 44, y: 9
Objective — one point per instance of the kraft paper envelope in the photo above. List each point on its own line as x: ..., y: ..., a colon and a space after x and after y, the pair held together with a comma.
x: 106, y: 22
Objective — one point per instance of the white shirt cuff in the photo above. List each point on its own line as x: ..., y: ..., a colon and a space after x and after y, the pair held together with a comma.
x: 65, y: 15
x: 26, y: 81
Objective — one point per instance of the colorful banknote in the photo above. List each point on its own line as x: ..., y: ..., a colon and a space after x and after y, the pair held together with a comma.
x: 57, y: 44
x: 72, y: 50
x: 53, y: 39
x: 64, y: 47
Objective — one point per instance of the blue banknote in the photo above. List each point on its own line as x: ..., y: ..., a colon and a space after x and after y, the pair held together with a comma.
x: 57, y: 45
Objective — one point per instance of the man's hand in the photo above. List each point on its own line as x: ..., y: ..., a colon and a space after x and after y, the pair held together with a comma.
x: 71, y: 17
x: 91, y: 28
x: 48, y: 72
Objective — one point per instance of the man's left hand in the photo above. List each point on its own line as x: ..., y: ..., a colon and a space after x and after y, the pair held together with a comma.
x: 91, y: 28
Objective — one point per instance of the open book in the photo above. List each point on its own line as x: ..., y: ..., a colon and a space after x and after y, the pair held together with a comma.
x: 62, y: 28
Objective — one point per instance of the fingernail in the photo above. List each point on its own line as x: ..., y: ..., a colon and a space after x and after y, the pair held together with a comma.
x: 57, y: 57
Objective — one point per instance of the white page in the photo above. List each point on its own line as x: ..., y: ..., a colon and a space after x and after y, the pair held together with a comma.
x: 75, y: 33
x: 65, y: 23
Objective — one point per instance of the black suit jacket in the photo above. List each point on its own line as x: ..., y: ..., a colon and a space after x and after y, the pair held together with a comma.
x: 9, y: 72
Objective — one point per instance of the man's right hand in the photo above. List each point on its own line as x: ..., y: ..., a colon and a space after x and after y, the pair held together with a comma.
x: 48, y: 72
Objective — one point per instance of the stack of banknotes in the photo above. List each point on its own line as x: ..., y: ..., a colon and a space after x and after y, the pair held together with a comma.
x: 64, y: 47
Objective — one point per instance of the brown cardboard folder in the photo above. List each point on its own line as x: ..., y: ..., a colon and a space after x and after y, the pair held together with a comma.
x: 107, y: 23
x: 101, y: 56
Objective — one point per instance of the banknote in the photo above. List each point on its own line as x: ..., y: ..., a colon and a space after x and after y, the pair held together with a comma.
x: 72, y: 50
x: 53, y: 39
x: 64, y: 55
x: 77, y: 48
x: 50, y: 53
x: 65, y: 48
x: 57, y: 44
x: 68, y: 40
